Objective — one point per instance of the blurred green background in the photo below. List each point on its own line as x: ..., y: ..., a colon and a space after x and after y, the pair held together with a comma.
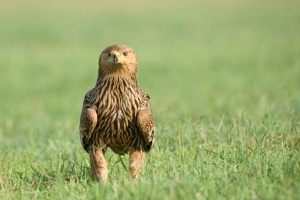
x: 196, y: 59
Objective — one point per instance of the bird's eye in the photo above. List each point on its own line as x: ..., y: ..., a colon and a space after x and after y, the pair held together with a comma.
x: 108, y: 54
x: 125, y: 53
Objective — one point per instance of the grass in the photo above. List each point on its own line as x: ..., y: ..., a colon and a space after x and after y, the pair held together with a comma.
x: 224, y: 84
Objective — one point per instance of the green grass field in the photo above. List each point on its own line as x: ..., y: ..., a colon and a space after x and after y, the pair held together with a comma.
x: 224, y: 81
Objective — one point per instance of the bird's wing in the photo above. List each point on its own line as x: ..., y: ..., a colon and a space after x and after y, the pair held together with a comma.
x: 88, y: 120
x: 145, y: 120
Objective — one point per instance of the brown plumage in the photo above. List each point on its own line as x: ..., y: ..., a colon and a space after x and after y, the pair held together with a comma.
x: 116, y: 113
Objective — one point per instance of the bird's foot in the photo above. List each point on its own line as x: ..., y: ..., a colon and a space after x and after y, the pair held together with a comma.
x: 98, y: 164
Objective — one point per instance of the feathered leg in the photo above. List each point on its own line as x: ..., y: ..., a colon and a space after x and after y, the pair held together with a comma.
x: 98, y: 164
x: 136, y: 162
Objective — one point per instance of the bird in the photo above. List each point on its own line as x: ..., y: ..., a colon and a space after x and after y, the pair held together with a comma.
x: 117, y: 114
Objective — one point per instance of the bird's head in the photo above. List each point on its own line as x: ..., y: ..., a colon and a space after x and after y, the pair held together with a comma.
x: 118, y: 59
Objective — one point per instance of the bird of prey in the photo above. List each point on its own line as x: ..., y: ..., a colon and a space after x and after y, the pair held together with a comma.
x: 116, y: 113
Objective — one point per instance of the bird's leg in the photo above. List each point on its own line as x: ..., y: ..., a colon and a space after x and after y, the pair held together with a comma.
x: 98, y: 164
x: 136, y: 162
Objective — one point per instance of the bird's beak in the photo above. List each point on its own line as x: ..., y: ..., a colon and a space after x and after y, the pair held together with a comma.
x: 116, y: 57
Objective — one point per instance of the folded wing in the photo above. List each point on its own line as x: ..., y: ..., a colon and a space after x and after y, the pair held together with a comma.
x: 88, y: 121
x: 146, y: 123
